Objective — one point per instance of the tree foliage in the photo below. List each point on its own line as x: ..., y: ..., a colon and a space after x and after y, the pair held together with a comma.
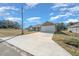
x: 9, y: 24
x: 60, y: 26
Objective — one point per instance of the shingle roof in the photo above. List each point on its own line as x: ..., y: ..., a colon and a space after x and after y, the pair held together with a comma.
x: 74, y: 24
x: 47, y: 24
x: 38, y: 25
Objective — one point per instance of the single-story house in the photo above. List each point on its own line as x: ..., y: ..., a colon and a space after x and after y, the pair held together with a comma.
x: 45, y: 27
x: 48, y: 27
x: 74, y: 27
x: 36, y: 27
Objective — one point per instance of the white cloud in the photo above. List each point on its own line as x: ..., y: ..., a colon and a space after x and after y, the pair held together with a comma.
x: 31, y: 5
x: 34, y: 19
x: 74, y: 9
x: 59, y: 16
x: 54, y: 18
x: 63, y: 9
x: 4, y: 8
x: 71, y: 20
x: 4, y: 14
x: 31, y: 19
x: 15, y: 19
x: 60, y: 5
x: 51, y: 14
x: 67, y: 14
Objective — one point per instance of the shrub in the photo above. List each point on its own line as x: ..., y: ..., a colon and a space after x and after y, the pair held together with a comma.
x: 70, y: 31
x: 60, y: 26
x: 72, y: 41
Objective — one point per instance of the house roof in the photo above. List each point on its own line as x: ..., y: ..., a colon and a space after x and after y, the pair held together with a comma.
x: 44, y: 24
x: 71, y: 23
x: 38, y: 25
x: 47, y: 24
x: 74, y: 24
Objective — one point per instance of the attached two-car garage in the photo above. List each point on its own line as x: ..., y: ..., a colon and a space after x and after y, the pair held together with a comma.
x: 48, y: 27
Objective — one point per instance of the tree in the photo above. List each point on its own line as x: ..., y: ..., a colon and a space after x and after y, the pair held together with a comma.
x: 60, y: 26
x: 9, y: 24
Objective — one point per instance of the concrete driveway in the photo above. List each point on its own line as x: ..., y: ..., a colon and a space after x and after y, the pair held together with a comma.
x: 39, y: 44
x: 8, y: 51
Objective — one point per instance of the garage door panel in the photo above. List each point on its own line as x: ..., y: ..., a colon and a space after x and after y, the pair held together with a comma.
x: 48, y: 28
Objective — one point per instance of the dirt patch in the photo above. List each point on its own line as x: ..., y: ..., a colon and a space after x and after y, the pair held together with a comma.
x: 12, y: 32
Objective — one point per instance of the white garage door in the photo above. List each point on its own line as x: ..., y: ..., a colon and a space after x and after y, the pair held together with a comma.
x: 48, y: 28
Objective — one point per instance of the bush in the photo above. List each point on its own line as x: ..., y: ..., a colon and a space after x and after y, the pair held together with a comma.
x: 60, y: 26
x: 72, y: 41
x: 70, y: 31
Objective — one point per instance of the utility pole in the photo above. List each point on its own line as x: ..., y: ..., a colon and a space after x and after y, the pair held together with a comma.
x: 22, y: 29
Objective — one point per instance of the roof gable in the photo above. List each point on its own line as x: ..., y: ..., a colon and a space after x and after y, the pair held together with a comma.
x: 47, y: 24
x: 71, y: 24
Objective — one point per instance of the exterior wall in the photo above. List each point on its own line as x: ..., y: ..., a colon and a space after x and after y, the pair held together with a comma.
x: 47, y: 28
x: 74, y: 29
x: 78, y: 29
x: 36, y: 29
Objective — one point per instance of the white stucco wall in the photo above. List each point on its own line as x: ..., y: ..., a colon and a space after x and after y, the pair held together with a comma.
x: 48, y: 28
x: 75, y: 30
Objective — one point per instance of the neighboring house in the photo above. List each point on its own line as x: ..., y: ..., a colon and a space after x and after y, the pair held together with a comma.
x: 45, y: 27
x: 74, y: 27
x: 36, y: 27
x: 29, y: 28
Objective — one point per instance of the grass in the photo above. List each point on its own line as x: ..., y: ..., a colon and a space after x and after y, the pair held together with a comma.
x: 12, y: 32
x: 68, y: 41
x: 72, y: 41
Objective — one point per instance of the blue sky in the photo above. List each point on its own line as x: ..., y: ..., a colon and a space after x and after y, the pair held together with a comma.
x: 37, y: 13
